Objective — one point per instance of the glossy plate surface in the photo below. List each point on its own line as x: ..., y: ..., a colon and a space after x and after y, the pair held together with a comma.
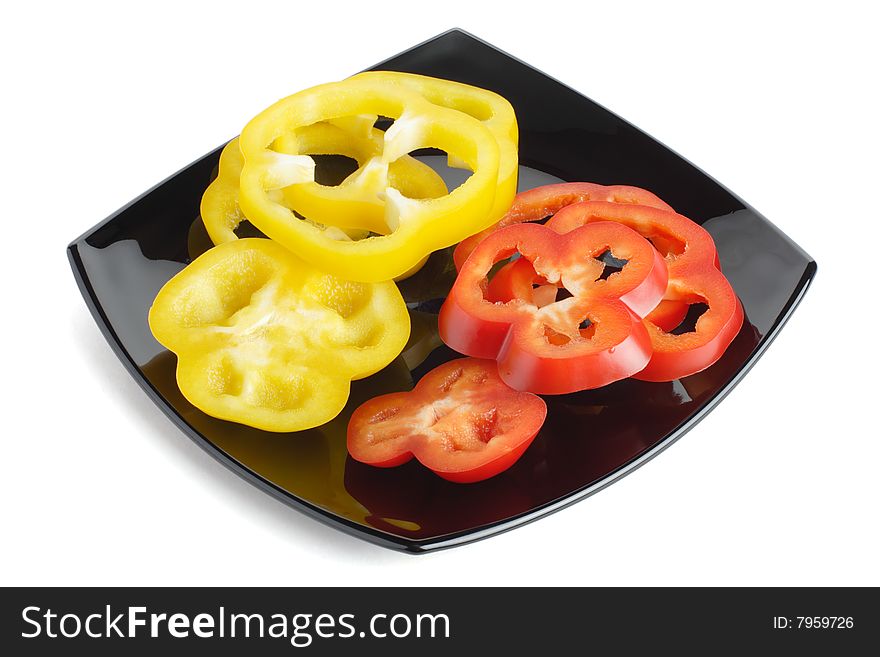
x: 590, y: 439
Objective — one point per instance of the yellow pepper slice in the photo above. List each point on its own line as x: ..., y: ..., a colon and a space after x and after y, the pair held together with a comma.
x: 411, y: 228
x: 493, y: 110
x: 266, y: 340
x: 220, y: 209
x: 356, y: 205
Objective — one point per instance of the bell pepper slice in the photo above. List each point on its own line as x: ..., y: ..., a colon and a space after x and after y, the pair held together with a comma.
x: 222, y: 214
x: 461, y: 421
x: 356, y: 202
x: 694, y: 278
x: 557, y: 345
x: 668, y: 314
x: 266, y: 340
x: 518, y: 279
x: 541, y: 202
x: 493, y: 110
x: 412, y: 228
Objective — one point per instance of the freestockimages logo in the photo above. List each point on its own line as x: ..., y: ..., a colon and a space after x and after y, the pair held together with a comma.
x: 299, y: 629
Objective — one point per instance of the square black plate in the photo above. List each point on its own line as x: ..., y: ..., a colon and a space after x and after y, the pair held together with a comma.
x: 590, y: 439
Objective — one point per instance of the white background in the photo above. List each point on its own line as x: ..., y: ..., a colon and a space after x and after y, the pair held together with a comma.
x: 778, y: 485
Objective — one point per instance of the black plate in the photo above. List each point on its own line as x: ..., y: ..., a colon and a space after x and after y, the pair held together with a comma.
x: 590, y: 439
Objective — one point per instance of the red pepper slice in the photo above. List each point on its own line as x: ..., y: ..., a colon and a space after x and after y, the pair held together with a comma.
x: 541, y: 202
x: 668, y: 314
x: 694, y: 278
x: 518, y: 279
x: 544, y: 345
x: 460, y: 420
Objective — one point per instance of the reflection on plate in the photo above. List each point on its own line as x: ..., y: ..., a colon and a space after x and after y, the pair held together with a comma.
x: 590, y: 438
